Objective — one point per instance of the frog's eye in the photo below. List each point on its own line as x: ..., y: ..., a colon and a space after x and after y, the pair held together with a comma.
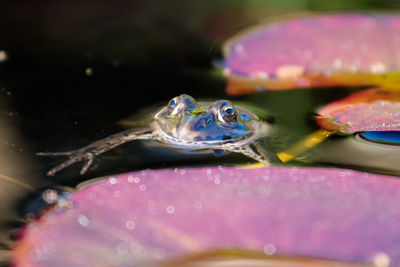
x: 181, y: 103
x: 227, y: 113
x: 188, y: 102
x: 172, y: 104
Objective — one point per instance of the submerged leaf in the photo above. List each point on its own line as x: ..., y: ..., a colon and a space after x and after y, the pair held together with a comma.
x: 150, y: 217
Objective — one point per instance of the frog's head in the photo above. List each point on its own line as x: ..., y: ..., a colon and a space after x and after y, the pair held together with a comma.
x: 192, y: 123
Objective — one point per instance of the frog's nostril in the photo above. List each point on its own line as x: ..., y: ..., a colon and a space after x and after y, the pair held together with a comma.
x: 203, y: 123
x: 226, y: 137
x: 200, y: 124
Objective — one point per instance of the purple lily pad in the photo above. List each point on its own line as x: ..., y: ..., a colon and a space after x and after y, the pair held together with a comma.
x: 324, y: 50
x: 153, y: 216
x: 368, y: 110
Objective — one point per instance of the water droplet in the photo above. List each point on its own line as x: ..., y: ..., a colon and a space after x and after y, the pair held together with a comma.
x: 170, y: 209
x: 130, y: 225
x: 100, y: 202
x: 337, y: 63
x: 269, y: 249
x: 88, y: 71
x: 89, y: 195
x: 3, y: 55
x: 260, y: 75
x: 290, y: 71
x: 381, y: 259
x: 83, y: 220
x: 112, y: 180
x: 378, y: 67
x: 198, y: 205
x: 239, y: 49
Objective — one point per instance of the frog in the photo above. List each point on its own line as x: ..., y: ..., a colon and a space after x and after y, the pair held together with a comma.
x: 184, y: 125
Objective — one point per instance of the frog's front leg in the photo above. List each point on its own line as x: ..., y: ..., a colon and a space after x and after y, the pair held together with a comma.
x: 256, y: 152
x: 88, y: 153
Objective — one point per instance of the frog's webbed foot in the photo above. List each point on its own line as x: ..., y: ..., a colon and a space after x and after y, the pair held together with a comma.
x: 89, y: 153
x: 75, y: 156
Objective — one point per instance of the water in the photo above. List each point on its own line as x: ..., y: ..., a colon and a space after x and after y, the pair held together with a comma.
x: 70, y: 71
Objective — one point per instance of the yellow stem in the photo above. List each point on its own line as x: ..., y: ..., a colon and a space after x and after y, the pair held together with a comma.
x: 24, y: 185
x: 303, y: 145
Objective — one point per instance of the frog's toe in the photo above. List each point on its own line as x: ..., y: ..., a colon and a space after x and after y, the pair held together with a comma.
x: 54, y: 154
x: 88, y: 162
x: 63, y: 165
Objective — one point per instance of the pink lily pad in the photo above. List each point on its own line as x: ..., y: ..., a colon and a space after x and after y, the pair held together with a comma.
x: 316, y: 51
x: 153, y: 216
x: 369, y: 110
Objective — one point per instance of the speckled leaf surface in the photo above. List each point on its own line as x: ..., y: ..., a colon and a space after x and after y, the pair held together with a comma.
x: 323, y: 50
x: 136, y: 218
x: 369, y: 110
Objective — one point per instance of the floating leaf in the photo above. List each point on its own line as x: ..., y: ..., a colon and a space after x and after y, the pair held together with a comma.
x: 151, y: 217
x: 369, y: 110
x: 324, y: 50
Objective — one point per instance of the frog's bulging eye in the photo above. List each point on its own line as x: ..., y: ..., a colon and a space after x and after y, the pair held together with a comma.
x: 181, y: 103
x: 172, y: 105
x: 173, y: 102
x: 227, y: 113
x: 188, y: 102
